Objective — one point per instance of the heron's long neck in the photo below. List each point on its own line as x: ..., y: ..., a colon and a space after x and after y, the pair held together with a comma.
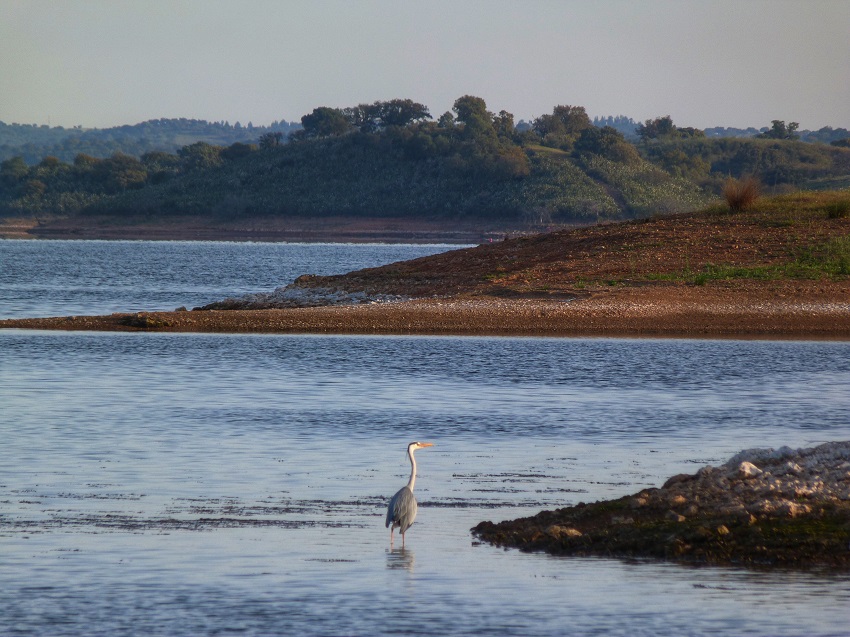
x: 412, y: 480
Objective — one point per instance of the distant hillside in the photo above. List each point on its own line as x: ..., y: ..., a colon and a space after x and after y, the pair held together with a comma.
x: 33, y: 143
x: 387, y: 159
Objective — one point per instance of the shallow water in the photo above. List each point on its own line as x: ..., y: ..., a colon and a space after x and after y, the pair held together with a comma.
x: 155, y: 484
x: 178, y: 484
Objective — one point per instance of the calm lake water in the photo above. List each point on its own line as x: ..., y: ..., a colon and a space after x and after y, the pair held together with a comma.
x: 176, y: 484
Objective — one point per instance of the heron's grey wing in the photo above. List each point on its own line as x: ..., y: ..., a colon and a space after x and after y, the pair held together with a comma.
x: 402, y: 509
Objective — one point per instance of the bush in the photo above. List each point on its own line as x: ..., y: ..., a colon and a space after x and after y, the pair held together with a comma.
x: 741, y: 194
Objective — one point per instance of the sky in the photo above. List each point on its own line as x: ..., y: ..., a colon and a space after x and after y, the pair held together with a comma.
x: 739, y: 63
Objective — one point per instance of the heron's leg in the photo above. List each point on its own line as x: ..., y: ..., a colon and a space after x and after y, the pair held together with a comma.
x: 402, y: 540
x: 392, y: 528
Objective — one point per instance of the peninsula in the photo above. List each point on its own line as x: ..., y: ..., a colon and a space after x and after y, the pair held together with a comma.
x: 780, y: 269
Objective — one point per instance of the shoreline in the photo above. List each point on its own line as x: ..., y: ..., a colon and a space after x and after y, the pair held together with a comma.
x: 763, y: 507
x: 662, y: 312
x: 338, y: 229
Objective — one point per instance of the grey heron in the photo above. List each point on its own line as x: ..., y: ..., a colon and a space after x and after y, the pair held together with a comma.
x: 402, y: 508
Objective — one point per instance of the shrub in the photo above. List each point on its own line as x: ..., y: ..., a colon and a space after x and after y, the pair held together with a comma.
x: 741, y: 194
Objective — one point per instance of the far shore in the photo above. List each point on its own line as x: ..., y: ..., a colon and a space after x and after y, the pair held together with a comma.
x: 653, y: 312
x: 270, y: 229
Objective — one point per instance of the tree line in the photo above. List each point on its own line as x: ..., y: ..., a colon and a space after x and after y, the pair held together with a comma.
x: 470, y: 146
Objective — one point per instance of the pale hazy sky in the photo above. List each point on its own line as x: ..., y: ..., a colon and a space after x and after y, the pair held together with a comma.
x: 100, y: 63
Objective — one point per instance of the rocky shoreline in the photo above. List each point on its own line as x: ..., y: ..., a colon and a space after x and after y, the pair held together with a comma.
x: 762, y: 507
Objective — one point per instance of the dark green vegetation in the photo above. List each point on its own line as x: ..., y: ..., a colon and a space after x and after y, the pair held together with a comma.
x: 393, y: 159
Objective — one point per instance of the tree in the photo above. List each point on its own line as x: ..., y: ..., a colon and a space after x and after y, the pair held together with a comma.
x: 779, y: 130
x: 477, y: 121
x: 271, y: 140
x: 237, y: 150
x: 85, y: 162
x: 401, y: 112
x: 13, y: 170
x: 199, y: 155
x: 34, y: 188
x: 325, y: 122
x: 371, y: 118
x: 447, y: 120
x: 563, y: 126
x: 504, y: 124
x: 655, y: 128
x: 607, y: 142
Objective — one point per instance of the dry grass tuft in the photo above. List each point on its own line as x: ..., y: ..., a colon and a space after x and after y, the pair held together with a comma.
x: 741, y: 194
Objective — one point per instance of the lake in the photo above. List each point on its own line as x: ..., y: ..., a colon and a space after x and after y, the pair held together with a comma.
x: 180, y: 484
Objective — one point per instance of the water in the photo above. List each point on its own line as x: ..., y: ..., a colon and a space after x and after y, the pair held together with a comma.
x: 176, y: 484
x: 49, y: 278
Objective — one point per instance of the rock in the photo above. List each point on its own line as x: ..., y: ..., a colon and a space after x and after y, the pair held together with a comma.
x: 678, y: 479
x: 792, y: 509
x: 678, y: 500
x: 722, y: 530
x: 789, y: 468
x: 675, y: 517
x: 745, y: 470
x: 558, y: 532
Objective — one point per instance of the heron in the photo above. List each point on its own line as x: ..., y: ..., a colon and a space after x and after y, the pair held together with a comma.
x: 402, y: 508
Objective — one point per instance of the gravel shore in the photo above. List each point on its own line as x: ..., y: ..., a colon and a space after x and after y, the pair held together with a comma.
x: 654, y: 311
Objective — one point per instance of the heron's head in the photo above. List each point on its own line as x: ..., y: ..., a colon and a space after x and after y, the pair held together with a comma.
x: 413, y: 446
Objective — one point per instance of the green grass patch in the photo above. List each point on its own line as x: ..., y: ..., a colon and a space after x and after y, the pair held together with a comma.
x: 828, y: 260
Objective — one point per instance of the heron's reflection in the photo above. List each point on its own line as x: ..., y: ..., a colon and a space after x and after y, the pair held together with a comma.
x: 401, y: 558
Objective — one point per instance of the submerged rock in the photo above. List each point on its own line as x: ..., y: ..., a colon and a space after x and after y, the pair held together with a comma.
x: 763, y: 506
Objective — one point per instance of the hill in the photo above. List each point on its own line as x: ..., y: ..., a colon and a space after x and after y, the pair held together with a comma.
x: 387, y: 161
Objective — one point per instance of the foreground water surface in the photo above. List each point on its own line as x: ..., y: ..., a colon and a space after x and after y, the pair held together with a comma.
x: 177, y: 484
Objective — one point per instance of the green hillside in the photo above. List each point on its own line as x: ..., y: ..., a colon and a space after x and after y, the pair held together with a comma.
x: 392, y: 159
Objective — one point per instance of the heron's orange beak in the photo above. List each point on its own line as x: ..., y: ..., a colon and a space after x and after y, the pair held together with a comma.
x: 426, y: 444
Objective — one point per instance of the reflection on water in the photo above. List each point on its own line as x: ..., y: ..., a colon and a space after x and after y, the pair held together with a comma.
x: 205, y: 484
x: 401, y: 558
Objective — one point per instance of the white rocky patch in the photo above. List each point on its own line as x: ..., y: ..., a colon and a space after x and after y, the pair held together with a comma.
x: 756, y: 482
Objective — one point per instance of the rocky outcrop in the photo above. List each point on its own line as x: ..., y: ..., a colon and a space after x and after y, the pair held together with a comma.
x: 763, y: 506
